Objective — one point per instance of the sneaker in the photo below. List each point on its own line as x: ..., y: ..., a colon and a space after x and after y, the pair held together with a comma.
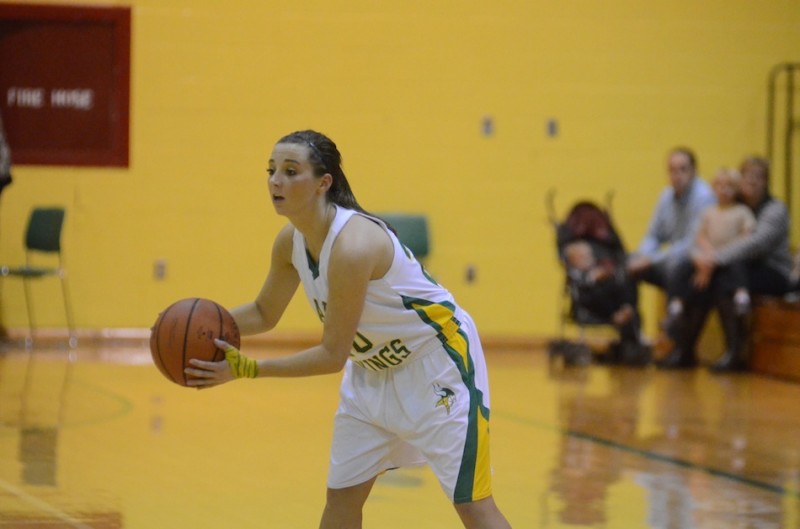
x: 636, y: 354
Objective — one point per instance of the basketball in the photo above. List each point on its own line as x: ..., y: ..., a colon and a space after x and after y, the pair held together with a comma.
x: 187, y: 329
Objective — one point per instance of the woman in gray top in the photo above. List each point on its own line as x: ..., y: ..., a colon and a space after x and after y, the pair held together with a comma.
x: 766, y: 251
x: 768, y: 262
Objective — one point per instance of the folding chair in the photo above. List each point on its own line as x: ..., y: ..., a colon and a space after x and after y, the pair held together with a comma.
x: 43, y: 236
x: 412, y: 230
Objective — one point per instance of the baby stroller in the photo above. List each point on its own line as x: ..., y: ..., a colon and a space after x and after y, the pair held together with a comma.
x: 597, y: 287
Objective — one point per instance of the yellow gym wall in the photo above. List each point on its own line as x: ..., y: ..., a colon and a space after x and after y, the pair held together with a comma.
x: 405, y: 90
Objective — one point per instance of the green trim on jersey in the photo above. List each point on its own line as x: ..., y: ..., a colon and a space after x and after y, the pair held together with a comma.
x: 312, y: 265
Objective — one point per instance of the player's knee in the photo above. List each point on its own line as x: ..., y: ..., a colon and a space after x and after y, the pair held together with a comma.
x: 348, y: 498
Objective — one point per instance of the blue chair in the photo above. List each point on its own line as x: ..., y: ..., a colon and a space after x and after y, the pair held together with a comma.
x: 43, y: 236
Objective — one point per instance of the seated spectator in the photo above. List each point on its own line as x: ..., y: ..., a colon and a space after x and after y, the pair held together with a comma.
x: 698, y: 285
x: 720, y: 225
x: 768, y: 264
x: 672, y: 227
x: 766, y: 252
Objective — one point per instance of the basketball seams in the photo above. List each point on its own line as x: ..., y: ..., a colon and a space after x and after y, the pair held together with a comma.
x: 157, y: 332
x: 186, y: 329
x: 221, y: 320
x: 186, y: 336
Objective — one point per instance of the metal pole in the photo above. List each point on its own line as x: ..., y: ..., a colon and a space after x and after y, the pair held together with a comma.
x: 772, y: 79
x: 789, y: 135
x: 789, y: 69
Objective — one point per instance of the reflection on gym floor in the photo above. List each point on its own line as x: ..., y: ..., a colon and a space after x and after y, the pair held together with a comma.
x: 95, y: 437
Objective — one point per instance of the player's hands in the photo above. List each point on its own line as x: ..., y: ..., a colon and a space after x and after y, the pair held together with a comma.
x: 241, y: 366
x: 236, y: 365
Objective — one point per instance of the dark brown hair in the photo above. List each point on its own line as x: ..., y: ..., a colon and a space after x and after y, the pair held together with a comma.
x: 324, y: 156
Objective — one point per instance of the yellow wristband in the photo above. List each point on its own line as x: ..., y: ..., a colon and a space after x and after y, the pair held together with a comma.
x: 241, y: 366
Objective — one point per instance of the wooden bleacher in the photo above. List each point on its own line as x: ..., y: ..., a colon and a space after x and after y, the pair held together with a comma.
x: 775, y: 338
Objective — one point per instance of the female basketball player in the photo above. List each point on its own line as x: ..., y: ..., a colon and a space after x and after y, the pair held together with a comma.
x: 415, y: 387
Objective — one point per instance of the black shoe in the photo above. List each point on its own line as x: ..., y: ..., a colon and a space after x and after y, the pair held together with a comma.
x: 734, y: 327
x: 729, y: 363
x: 677, y: 359
x: 635, y: 354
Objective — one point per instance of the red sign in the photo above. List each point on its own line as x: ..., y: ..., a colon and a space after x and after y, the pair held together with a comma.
x: 65, y: 84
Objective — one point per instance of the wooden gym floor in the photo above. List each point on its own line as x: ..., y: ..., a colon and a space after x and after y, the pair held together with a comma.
x: 97, y: 438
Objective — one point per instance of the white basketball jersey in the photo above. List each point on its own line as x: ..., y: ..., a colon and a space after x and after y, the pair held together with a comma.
x: 406, y: 313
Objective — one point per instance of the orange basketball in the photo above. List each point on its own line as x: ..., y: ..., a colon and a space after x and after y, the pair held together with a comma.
x: 185, y: 330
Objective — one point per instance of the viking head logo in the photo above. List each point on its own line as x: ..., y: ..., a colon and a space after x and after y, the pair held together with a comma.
x: 446, y: 397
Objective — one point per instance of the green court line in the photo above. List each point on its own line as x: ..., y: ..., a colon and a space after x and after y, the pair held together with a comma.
x: 684, y: 464
x: 124, y: 405
x: 654, y: 456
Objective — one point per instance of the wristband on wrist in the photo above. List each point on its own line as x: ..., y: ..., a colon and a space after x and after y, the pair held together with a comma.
x: 241, y: 366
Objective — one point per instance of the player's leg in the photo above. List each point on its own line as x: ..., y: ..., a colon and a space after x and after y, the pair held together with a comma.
x: 361, y: 449
x: 482, y: 514
x: 343, y: 507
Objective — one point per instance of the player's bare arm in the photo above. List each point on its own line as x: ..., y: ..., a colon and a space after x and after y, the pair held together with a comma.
x: 362, y: 252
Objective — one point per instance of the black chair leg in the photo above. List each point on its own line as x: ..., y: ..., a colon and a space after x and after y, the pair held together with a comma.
x: 73, y: 339
x: 31, y: 320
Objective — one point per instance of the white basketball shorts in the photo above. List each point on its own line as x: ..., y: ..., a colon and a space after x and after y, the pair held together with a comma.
x: 433, y: 409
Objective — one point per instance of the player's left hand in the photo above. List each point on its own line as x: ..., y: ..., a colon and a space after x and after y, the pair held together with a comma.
x: 235, y: 365
x: 241, y: 366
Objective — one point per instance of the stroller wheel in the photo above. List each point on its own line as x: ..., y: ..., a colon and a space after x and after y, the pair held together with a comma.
x: 578, y: 354
x: 572, y: 354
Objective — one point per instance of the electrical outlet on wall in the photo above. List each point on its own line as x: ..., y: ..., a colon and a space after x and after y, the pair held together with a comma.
x: 470, y: 274
x: 159, y: 269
